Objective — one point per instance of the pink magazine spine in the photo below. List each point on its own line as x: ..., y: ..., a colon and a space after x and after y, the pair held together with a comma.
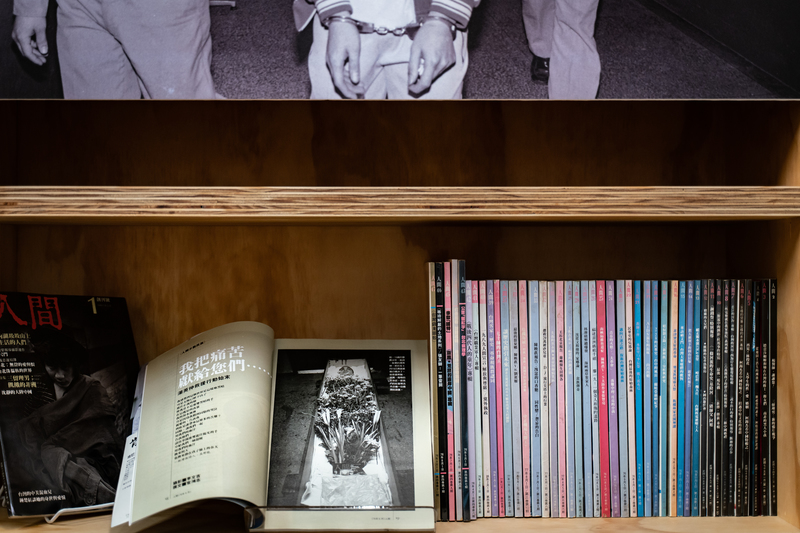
x: 562, y: 401
x: 498, y: 365
x: 525, y: 397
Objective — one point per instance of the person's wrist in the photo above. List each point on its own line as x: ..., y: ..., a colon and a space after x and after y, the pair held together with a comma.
x: 439, y: 19
x: 341, y: 17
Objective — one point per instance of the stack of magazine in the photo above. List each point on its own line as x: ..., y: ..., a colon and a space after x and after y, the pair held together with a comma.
x: 603, y: 398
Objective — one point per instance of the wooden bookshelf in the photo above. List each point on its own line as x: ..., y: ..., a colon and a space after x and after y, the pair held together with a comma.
x: 202, y: 213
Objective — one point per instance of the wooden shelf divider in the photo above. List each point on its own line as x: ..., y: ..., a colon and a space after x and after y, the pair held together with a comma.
x: 390, y: 205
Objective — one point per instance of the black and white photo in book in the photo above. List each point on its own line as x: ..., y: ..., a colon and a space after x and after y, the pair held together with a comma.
x: 409, y: 49
x: 342, y: 429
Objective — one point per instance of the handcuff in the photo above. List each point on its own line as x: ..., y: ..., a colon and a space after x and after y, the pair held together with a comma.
x: 409, y: 29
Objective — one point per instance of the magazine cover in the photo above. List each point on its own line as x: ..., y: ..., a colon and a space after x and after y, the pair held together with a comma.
x: 68, y: 368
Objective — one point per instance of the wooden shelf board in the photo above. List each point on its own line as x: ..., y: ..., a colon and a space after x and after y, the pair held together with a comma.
x: 764, y: 524
x: 389, y: 205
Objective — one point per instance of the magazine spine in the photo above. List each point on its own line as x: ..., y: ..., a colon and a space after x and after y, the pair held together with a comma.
x: 555, y: 431
x: 688, y: 401
x: 435, y: 372
x: 544, y: 391
x: 536, y: 409
x: 773, y: 397
x: 726, y: 399
x: 622, y: 404
x: 459, y: 387
x: 704, y: 405
x: 679, y: 451
x: 663, y: 401
x: 569, y: 408
x: 603, y: 398
x: 740, y: 321
x: 525, y: 395
x: 718, y: 413
x: 492, y: 396
x: 647, y: 397
x: 448, y: 321
x: 561, y: 398
x: 476, y: 456
x: 630, y: 387
x: 614, y: 425
x: 470, y: 405
x: 508, y: 429
x: 639, y: 410
x: 486, y: 433
x: 764, y: 476
x: 515, y: 400
x: 655, y: 334
x: 591, y: 457
x: 498, y: 364
x: 577, y: 373
x: 673, y: 398
x: 696, y: 400
x: 732, y: 406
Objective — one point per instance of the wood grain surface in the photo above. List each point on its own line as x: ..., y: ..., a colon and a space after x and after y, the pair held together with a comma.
x: 395, y: 205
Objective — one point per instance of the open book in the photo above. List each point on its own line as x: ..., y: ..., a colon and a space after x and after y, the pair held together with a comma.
x: 307, y: 434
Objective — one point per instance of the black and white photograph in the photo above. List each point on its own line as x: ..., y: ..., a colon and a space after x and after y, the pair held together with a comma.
x: 68, y: 369
x: 400, y: 49
x: 342, y: 431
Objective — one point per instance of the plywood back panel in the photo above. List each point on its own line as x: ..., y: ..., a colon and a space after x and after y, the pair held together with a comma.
x: 395, y: 144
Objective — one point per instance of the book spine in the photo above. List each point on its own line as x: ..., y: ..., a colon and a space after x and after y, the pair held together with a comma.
x: 630, y: 387
x: 435, y: 376
x: 622, y: 403
x: 673, y: 398
x: 476, y: 457
x: 515, y: 400
x: 491, y: 393
x: 704, y: 404
x: 639, y: 392
x: 525, y: 395
x: 569, y: 408
x: 772, y: 347
x: 441, y: 388
x: 747, y: 398
x: 654, y: 327
x: 740, y: 321
x: 663, y: 400
x: 460, y: 392
x: 577, y: 373
x: 508, y: 429
x: 647, y: 397
x: 688, y: 399
x: 712, y: 403
x: 755, y: 446
x: 536, y: 408
x: 614, y: 425
x: 544, y: 391
x: 583, y: 447
x: 696, y: 400
x: 451, y: 461
x: 639, y: 385
x: 732, y: 344
x: 472, y: 512
x: 561, y: 398
x: 718, y: 413
x: 725, y: 332
x: 498, y: 392
x: 681, y: 394
x: 588, y: 409
x: 764, y: 335
x: 486, y: 433
x: 555, y: 431
x: 603, y: 399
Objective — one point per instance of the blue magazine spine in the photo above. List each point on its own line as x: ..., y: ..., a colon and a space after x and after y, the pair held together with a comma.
x: 508, y: 432
x: 689, y: 399
x: 622, y: 403
x: 663, y: 401
x: 647, y: 398
x: 681, y: 390
x: 536, y: 429
x: 654, y: 334
x: 696, y: 401
x: 637, y: 354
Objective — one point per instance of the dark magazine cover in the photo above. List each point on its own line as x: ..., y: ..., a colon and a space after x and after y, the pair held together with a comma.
x: 68, y: 368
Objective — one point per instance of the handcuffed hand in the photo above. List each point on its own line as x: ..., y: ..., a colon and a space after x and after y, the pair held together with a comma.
x: 342, y: 58
x: 433, y: 50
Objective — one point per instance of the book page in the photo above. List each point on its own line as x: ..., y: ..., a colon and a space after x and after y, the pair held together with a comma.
x: 205, y: 420
x: 351, y: 446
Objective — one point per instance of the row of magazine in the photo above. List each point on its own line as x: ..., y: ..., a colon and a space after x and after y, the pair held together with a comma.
x: 603, y: 398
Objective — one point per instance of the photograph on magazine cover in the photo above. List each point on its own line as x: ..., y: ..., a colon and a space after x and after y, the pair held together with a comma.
x: 400, y: 49
x: 342, y: 432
